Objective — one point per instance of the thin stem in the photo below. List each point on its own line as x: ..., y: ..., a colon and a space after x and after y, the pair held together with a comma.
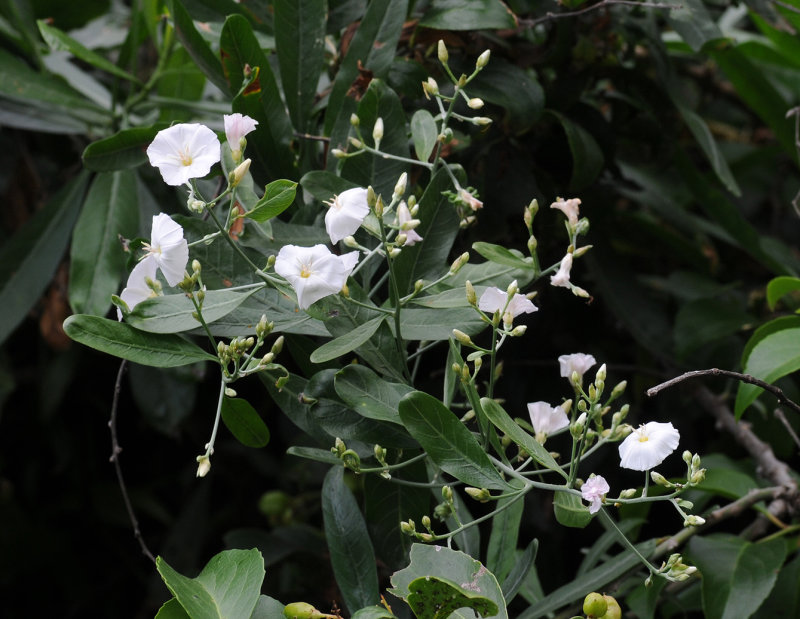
x: 394, y: 294
x: 213, y: 439
x: 609, y: 521
x: 530, y: 23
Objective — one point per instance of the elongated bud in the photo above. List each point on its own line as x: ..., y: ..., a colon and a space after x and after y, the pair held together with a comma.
x: 277, y: 346
x: 239, y: 173
x: 447, y: 494
x: 472, y: 297
x: 408, y: 526
x: 196, y: 267
x: 519, y: 330
x: 601, y: 373
x: 627, y: 493
x: 459, y: 262
x: 418, y: 286
x: 693, y: 521
x: 380, y: 453
x: 338, y: 153
x: 513, y: 288
x: 355, y: 121
x: 441, y: 51
x: 379, y: 206
x: 426, y: 522
x: 430, y: 88
x: 483, y: 59
x: 394, y: 252
x: 462, y: 337
x: 203, y: 465
x: 271, y: 261
x: 475, y: 103
x: 355, y: 142
x: 400, y: 187
x: 481, y: 121
x: 410, y: 224
x: 377, y: 131
x: 479, y: 494
x: 660, y: 480
x: 619, y: 389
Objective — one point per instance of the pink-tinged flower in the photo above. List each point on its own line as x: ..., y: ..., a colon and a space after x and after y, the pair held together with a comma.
x: 346, y: 212
x: 495, y: 300
x: 470, y: 200
x: 314, y: 272
x: 594, y: 490
x: 569, y: 208
x: 648, y: 445
x: 403, y: 217
x: 561, y: 278
x: 137, y: 290
x: 236, y: 127
x: 168, y: 248
x: 183, y: 152
x: 546, y: 419
x: 576, y: 362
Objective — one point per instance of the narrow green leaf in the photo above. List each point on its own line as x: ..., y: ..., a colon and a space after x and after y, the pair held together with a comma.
x: 194, y: 43
x: 278, y: 196
x: 500, y: 555
x: 779, y: 288
x: 473, y: 15
x: 501, y: 255
x: 368, y: 394
x: 228, y: 586
x: 29, y: 259
x: 122, y: 340
x: 173, y: 313
x: 244, y: 422
x: 313, y: 453
x: 97, y: 260
x: 352, y: 555
x: 58, y: 40
x: 346, y: 343
x: 125, y: 149
x: 570, y: 511
x: 519, y: 571
x: 448, y: 442
x: 424, y: 134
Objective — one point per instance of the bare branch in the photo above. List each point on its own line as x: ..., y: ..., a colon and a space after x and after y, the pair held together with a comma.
x: 549, y: 16
x: 782, y: 418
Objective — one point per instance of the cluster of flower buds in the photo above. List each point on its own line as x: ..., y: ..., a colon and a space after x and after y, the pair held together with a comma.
x: 350, y: 459
x: 674, y: 569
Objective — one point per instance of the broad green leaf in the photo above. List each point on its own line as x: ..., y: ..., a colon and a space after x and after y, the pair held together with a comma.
x: 456, y: 567
x: 514, y: 89
x: 267, y: 608
x: 194, y: 43
x: 448, y: 442
x: 228, y: 586
x: 424, y: 134
x: 501, y: 255
x: 779, y: 288
x: 373, y: 612
x: 368, y: 394
x: 784, y: 600
x: 323, y: 185
x: 347, y: 343
x: 776, y: 355
x: 352, y: 555
x: 97, y: 260
x: 122, y: 340
x: 587, y: 158
x: 768, y: 328
x: 125, y: 149
x: 299, y: 43
x: 501, y: 419
x: 59, y: 40
x: 172, y: 610
x: 522, y: 565
x: 500, y: 555
x: 706, y: 140
x: 473, y: 15
x: 703, y: 322
x: 181, y: 82
x: 244, y: 422
x: 570, y: 511
x: 29, y: 259
x: 278, y: 196
x: 437, y: 324
x: 737, y: 575
x: 173, y: 313
x: 433, y: 597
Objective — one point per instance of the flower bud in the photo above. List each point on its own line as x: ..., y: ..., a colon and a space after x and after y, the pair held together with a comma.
x: 458, y: 263
x: 696, y: 461
x: 231, y: 393
x: 267, y: 359
x: 472, y: 297
x: 601, y: 373
x: 430, y: 87
x: 338, y: 153
x: 519, y: 331
x: 426, y: 522
x: 698, y: 476
x: 377, y: 131
x: 481, y: 121
x: 203, y: 465
x: 394, y: 252
x: 418, y: 286
x: 462, y: 337
x: 618, y: 389
x: 355, y: 120
x: 239, y: 173
x: 425, y: 537
x: 447, y: 493
x: 483, y: 59
x: 532, y: 243
x: 400, y: 187
x: 410, y: 224
x: 277, y: 347
x: 401, y: 239
x: 351, y: 460
x: 479, y: 494
x: 475, y: 103
x: 512, y: 289
x: 687, y: 456
x: 355, y: 142
x: 693, y: 521
x: 408, y: 527
x: 441, y: 51
x: 379, y: 452
x: 627, y: 493
x: 660, y: 480
x: 300, y: 610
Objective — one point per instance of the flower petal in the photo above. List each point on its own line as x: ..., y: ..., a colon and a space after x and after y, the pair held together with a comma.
x: 169, y: 248
x: 648, y: 446
x: 184, y: 151
x: 346, y: 213
x: 137, y: 290
x: 314, y: 272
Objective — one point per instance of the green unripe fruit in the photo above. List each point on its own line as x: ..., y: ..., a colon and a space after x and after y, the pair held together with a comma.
x: 273, y: 503
x: 300, y: 610
x: 613, y: 611
x: 594, y: 605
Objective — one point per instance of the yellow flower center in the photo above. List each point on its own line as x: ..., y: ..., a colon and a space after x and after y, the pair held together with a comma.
x: 305, y: 271
x: 643, y: 438
x: 185, y: 156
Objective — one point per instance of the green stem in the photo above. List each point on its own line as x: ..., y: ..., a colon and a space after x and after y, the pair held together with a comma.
x: 609, y: 521
x: 394, y: 294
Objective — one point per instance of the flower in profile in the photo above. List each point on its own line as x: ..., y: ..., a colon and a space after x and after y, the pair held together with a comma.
x: 403, y: 217
x: 494, y: 300
x: 168, y: 248
x: 314, y: 272
x: 347, y: 211
x: 184, y: 151
x: 648, y: 445
x: 594, y: 490
x: 137, y: 288
x: 470, y: 200
x: 561, y: 278
x: 569, y: 208
x: 236, y: 127
x: 576, y: 362
x: 546, y: 419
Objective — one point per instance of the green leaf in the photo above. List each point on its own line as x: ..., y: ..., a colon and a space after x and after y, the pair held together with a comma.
x: 29, y: 259
x: 125, y: 149
x: 368, y: 394
x: 437, y: 324
x: 97, y: 260
x: 172, y: 313
x: 122, y: 340
x: 172, y: 610
x: 424, y: 133
x: 299, y: 43
x: 776, y: 355
x: 692, y: 21
x: 570, y: 511
x: 587, y: 158
x: 784, y: 600
x: 501, y: 419
x: 194, y: 43
x: 432, y: 597
x: 448, y: 442
x: 779, y: 288
x: 514, y: 89
x: 737, y: 575
x: 228, y: 586
x: 278, y: 196
x: 58, y: 40
x: 313, y: 453
x: 500, y: 555
x: 244, y: 422
x: 373, y: 612
x: 703, y: 322
x: 267, y: 608
x: 473, y: 15
x: 501, y: 255
x: 347, y: 343
x: 768, y: 328
x: 352, y: 555
x: 519, y: 571
x: 323, y: 185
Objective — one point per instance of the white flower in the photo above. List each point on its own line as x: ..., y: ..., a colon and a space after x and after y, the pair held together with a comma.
x: 314, y: 272
x: 576, y: 362
x: 470, y: 200
x: 404, y: 216
x: 346, y: 212
x: 236, y: 127
x: 561, y: 278
x: 569, y: 208
x: 648, y: 445
x: 495, y: 300
x: 168, y: 247
x: 137, y: 289
x: 593, y: 490
x: 184, y: 151
x: 546, y: 419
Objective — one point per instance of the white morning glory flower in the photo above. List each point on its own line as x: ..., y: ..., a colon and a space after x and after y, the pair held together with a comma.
x: 137, y: 290
x: 494, y: 300
x: 183, y: 152
x: 404, y: 216
x: 576, y: 362
x: 546, y: 419
x: 648, y: 445
x: 346, y: 212
x: 168, y: 247
x: 314, y: 272
x: 236, y: 127
x: 593, y: 490
x: 569, y: 208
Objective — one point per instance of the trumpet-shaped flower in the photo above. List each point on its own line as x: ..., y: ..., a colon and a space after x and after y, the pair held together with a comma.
x: 576, y: 362
x: 546, y: 419
x: 494, y: 300
x: 648, y: 445
x: 346, y: 212
x: 569, y: 208
x: 236, y: 127
x: 593, y: 490
x: 184, y: 151
x: 168, y: 248
x: 137, y: 290
x: 314, y: 272
x: 403, y: 217
x: 561, y: 278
